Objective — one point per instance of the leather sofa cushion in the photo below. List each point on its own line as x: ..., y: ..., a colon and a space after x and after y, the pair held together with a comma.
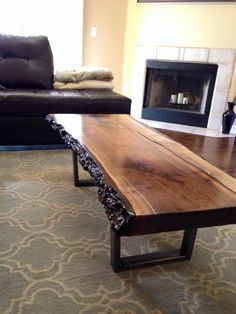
x: 36, y: 103
x: 25, y: 62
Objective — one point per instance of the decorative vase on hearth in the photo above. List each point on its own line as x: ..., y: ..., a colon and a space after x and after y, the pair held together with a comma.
x: 228, y: 118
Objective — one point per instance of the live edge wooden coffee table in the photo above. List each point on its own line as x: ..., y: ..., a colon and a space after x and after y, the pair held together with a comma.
x: 147, y: 183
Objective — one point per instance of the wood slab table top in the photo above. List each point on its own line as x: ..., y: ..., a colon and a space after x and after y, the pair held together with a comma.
x: 164, y: 185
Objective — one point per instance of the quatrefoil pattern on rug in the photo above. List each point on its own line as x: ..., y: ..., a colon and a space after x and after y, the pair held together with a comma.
x: 55, y: 258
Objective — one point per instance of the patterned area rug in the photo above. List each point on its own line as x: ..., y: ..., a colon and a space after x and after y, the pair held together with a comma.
x: 54, y: 251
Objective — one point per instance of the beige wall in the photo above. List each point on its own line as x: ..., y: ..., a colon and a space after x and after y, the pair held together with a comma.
x: 122, y: 24
x: 190, y: 25
x: 107, y: 49
x: 198, y: 25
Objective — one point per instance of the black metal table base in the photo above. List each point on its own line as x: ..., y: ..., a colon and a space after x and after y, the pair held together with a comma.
x: 77, y: 180
x: 125, y: 263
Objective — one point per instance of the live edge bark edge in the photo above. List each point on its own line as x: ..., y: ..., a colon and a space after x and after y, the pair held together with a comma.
x: 114, y: 205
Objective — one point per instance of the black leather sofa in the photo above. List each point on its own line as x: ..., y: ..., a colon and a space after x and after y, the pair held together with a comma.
x: 27, y: 94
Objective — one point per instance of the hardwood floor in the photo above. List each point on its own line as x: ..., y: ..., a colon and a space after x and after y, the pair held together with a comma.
x: 220, y: 152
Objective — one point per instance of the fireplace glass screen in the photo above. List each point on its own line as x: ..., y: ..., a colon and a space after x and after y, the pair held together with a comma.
x: 179, y: 92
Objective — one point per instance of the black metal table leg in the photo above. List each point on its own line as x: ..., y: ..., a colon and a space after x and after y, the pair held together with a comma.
x: 143, y: 260
x: 188, y: 243
x: 115, y: 251
x: 77, y: 180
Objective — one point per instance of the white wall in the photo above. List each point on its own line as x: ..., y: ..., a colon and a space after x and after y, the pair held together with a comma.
x: 61, y: 21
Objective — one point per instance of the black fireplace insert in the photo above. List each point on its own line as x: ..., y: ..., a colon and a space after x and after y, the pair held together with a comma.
x: 179, y: 92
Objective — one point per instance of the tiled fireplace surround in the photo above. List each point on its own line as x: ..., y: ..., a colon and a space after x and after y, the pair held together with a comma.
x: 223, y: 57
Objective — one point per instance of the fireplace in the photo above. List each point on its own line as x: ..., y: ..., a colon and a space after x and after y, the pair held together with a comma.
x: 179, y: 92
x: 223, y: 90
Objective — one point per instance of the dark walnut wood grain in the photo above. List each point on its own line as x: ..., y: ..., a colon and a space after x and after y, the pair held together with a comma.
x: 220, y: 152
x: 162, y: 183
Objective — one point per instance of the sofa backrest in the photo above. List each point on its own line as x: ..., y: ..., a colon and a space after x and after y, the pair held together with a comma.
x: 25, y: 62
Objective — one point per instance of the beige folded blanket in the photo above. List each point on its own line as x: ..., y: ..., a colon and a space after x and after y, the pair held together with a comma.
x: 88, y: 84
x: 84, y: 73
